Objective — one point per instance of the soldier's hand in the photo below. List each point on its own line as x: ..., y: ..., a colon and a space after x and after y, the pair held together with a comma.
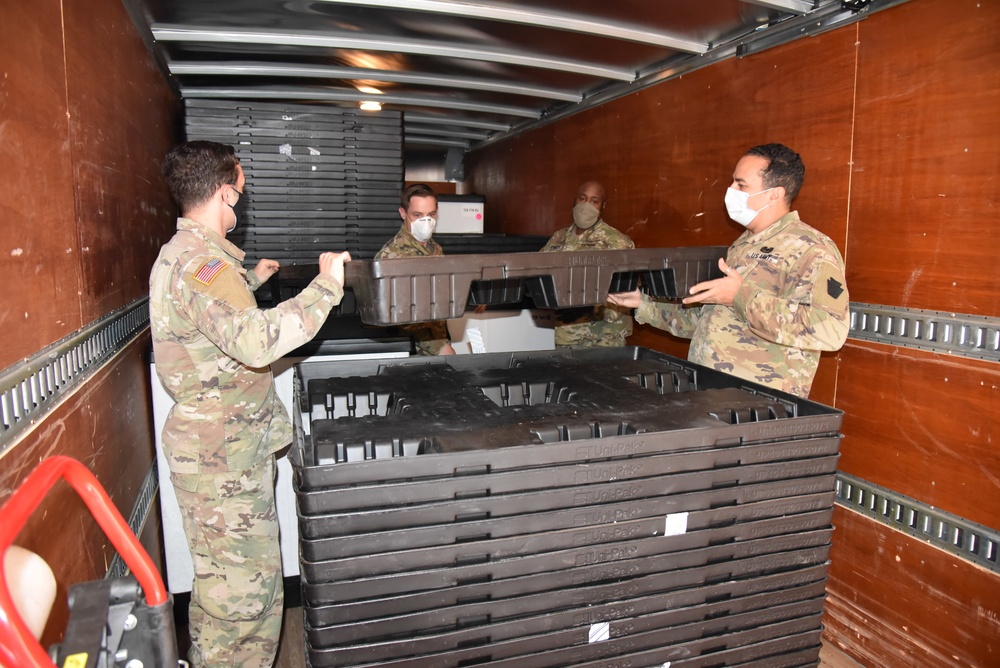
x: 265, y: 269
x: 332, y: 264
x: 626, y: 299
x: 718, y: 291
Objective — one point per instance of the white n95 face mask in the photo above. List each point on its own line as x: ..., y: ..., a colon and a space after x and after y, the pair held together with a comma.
x: 423, y: 228
x: 736, y: 205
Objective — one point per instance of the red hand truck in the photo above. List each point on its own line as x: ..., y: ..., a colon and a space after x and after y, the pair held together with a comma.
x: 110, y: 624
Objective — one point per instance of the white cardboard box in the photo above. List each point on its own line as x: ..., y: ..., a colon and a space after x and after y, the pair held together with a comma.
x: 502, y: 331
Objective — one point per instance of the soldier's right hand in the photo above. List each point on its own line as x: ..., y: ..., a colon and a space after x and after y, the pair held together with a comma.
x: 332, y: 264
x: 625, y: 299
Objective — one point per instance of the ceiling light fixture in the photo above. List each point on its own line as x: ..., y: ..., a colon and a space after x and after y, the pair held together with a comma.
x: 371, y: 105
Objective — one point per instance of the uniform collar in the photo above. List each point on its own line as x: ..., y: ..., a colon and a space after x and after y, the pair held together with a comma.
x: 771, y: 230
x: 210, y: 237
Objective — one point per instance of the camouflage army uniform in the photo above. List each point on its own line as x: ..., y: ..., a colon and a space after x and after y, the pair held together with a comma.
x: 607, y: 326
x: 793, y: 303
x: 212, y: 347
x: 431, y: 337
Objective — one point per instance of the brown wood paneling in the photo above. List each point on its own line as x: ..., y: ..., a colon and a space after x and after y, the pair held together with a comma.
x: 924, y: 188
x: 666, y: 153
x: 924, y: 425
x: 896, y: 602
x: 107, y: 425
x: 515, y: 176
x: 122, y: 115
x: 39, y: 254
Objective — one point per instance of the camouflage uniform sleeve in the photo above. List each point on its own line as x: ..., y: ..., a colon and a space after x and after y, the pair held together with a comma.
x: 223, y: 309
x: 253, y: 282
x: 556, y: 243
x: 812, y: 314
x: 673, y: 317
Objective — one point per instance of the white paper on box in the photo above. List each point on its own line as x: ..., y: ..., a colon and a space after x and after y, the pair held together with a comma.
x: 600, y: 632
x: 676, y: 524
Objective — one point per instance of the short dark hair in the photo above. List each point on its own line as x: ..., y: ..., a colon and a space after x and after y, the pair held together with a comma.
x: 784, y: 169
x: 194, y: 170
x: 416, y: 190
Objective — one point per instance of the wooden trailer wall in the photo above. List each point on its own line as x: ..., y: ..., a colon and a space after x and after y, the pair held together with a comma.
x: 897, y: 118
x: 85, y: 118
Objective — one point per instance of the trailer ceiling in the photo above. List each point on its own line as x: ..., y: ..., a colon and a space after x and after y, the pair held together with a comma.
x: 463, y: 73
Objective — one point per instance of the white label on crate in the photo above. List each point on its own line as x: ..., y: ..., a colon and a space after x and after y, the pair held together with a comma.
x: 600, y: 632
x: 313, y: 151
x: 676, y: 524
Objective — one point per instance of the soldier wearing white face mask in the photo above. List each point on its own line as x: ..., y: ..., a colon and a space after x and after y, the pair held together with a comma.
x: 602, y: 326
x: 783, y: 298
x: 418, y: 209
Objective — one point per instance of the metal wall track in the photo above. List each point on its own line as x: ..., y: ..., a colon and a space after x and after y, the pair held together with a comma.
x: 968, y: 540
x: 977, y: 337
x: 31, y: 389
x: 137, y: 519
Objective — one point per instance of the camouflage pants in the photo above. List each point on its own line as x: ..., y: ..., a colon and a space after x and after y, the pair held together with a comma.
x: 236, y: 600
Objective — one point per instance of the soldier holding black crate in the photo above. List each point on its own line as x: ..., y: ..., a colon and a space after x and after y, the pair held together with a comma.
x: 783, y: 296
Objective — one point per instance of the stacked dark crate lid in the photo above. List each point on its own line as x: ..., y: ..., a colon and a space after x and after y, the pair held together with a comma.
x: 601, y: 507
x: 319, y: 178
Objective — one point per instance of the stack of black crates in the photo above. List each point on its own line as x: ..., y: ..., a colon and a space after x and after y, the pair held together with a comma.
x: 603, y: 507
x: 319, y: 177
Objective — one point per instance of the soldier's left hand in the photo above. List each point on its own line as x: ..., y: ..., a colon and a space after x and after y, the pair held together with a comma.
x: 718, y: 291
x: 265, y: 269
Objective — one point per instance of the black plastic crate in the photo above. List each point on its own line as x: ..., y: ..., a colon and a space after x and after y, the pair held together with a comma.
x: 604, y: 603
x: 420, y: 289
x: 562, y: 630
x: 650, y: 476
x: 624, y: 517
x: 671, y: 643
x: 635, y: 389
x: 511, y: 505
x: 569, y: 568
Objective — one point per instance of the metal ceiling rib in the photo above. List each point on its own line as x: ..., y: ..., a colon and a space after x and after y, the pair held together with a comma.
x: 401, y: 45
x: 537, y: 17
x: 464, y: 73
x: 331, y: 72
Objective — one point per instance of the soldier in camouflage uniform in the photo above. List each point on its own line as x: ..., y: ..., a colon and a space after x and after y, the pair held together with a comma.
x: 604, y: 326
x: 419, y: 213
x: 783, y: 298
x: 212, y: 347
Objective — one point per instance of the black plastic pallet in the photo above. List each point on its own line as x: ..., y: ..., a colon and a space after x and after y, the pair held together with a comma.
x: 650, y: 476
x: 436, y: 288
x: 465, y: 510
x: 449, y: 598
x: 679, y: 642
x: 750, y: 646
x: 609, y: 537
x: 566, y: 568
x: 604, y: 603
x: 556, y: 631
x: 622, y: 516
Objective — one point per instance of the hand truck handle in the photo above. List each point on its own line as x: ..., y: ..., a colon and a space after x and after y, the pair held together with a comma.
x: 18, y: 646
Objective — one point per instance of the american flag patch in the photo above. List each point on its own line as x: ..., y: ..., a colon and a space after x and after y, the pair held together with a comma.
x: 210, y: 270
